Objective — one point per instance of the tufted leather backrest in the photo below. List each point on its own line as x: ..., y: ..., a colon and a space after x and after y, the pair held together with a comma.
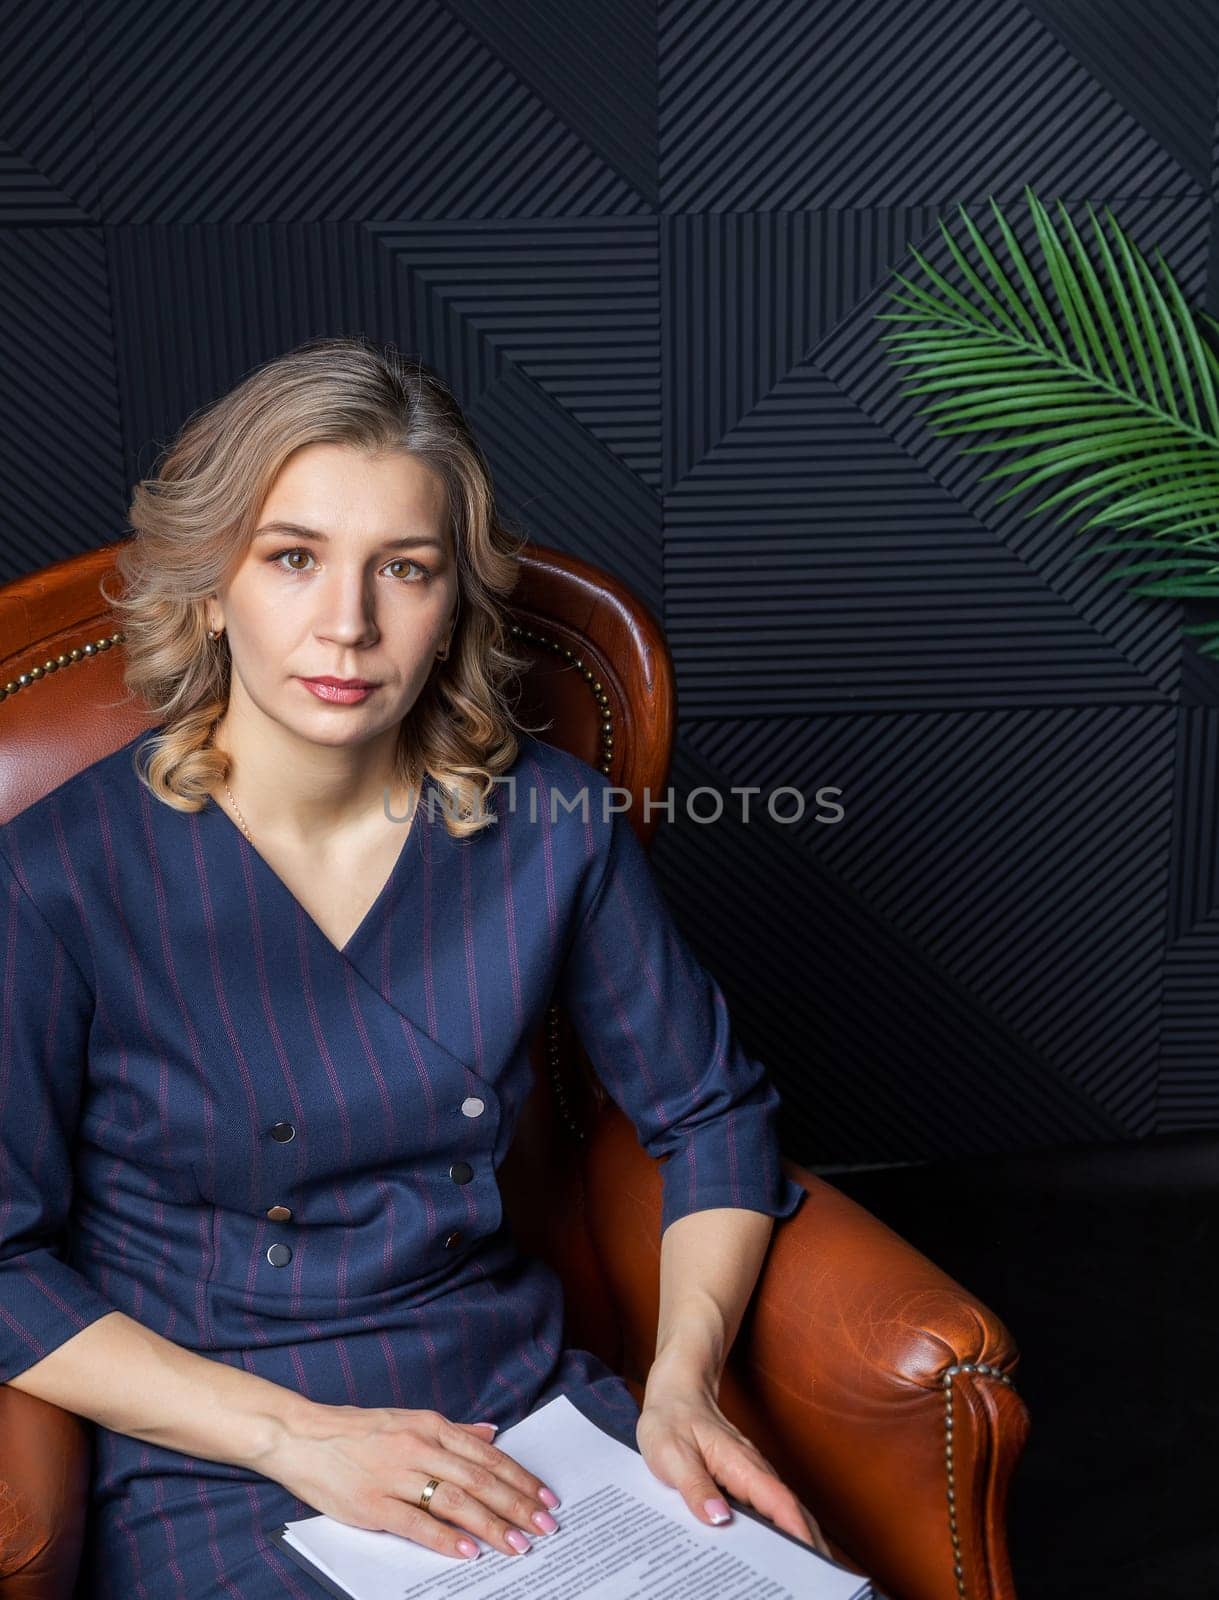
x: 600, y: 685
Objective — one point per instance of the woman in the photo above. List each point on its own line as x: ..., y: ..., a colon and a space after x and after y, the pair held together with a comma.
x: 272, y: 971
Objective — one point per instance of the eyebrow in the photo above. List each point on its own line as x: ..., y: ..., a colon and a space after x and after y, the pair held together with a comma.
x: 407, y: 542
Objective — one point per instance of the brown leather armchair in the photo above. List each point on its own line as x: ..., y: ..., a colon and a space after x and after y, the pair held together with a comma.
x: 879, y: 1388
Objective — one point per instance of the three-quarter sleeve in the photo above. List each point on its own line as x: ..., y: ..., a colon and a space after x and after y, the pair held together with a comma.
x: 656, y: 1027
x: 47, y: 1006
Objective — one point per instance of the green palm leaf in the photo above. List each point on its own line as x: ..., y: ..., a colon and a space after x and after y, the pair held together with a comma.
x: 1104, y: 380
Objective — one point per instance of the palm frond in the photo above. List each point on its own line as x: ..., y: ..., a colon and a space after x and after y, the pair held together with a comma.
x: 1103, y: 378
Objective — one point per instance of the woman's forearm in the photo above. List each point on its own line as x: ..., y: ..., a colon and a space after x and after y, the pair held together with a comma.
x: 121, y: 1374
x: 709, y: 1265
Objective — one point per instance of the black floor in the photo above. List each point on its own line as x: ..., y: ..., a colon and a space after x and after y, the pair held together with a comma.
x: 1103, y: 1262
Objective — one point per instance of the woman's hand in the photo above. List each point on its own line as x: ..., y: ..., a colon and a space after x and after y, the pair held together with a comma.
x: 689, y: 1443
x: 368, y: 1465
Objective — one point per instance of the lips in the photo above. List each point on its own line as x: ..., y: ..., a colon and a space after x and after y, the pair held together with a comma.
x: 336, y: 692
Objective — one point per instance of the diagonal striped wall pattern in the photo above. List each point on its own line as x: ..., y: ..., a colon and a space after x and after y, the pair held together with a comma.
x: 648, y: 244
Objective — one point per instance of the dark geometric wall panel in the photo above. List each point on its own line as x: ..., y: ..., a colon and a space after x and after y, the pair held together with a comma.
x: 812, y: 563
x: 1189, y: 1082
x: 649, y: 245
x: 594, y: 66
x: 747, y: 296
x: 981, y: 838
x: 1145, y: 640
x: 572, y: 305
x: 48, y: 148
x: 1159, y: 62
x: 787, y: 107
x: 197, y: 307
x: 1188, y: 1092
x: 564, y: 493
x: 880, y: 1051
x: 242, y: 112
x: 61, y: 445
x: 575, y: 305
x: 1194, y: 889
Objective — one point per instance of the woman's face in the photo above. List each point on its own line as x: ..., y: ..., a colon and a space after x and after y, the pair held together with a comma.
x: 350, y: 574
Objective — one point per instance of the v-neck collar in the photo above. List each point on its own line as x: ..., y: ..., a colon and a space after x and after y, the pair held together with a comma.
x: 381, y: 900
x: 331, y: 976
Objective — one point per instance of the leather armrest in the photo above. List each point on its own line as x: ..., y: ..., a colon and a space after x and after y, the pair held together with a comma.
x: 857, y: 1362
x: 45, y: 1458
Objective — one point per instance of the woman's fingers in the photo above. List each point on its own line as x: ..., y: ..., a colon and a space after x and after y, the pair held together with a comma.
x: 457, y: 1437
x: 766, y: 1492
x: 749, y: 1476
x: 471, y: 1509
x: 818, y: 1538
x: 480, y: 1490
x: 682, y: 1467
x: 753, y: 1485
x: 775, y: 1500
x: 760, y: 1487
x: 422, y: 1528
x: 755, y: 1482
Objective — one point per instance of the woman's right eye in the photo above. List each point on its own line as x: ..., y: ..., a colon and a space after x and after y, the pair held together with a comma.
x: 295, y: 551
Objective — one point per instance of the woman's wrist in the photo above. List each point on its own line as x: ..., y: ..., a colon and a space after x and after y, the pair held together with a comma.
x: 691, y: 1346
x: 286, y: 1418
x: 686, y: 1369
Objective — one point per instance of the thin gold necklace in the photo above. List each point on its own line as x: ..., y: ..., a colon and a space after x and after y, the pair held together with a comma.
x: 228, y: 791
x: 237, y: 809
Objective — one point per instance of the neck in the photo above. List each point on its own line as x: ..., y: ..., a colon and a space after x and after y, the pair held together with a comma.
x: 298, y: 791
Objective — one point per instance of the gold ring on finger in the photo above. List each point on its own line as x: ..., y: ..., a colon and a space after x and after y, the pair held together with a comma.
x: 432, y: 1485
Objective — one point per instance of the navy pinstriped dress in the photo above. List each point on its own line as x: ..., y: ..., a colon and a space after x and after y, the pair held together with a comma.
x: 183, y: 1051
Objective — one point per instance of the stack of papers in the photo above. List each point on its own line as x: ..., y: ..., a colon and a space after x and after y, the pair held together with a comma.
x: 623, y: 1535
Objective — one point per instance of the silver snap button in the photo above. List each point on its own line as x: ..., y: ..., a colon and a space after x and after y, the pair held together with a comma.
x: 472, y: 1106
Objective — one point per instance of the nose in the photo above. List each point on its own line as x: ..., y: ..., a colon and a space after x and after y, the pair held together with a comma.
x: 347, y: 607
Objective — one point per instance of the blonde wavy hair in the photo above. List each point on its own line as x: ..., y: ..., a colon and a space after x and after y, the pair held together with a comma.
x: 194, y: 520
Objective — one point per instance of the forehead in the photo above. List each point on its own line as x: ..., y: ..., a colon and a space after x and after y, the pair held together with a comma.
x: 341, y: 489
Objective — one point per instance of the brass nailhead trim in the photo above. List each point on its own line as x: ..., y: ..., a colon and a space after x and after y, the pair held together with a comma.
x: 519, y: 631
x: 946, y: 1381
x: 53, y: 663
x: 605, y: 765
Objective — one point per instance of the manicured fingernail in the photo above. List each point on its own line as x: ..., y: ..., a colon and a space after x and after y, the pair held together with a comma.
x: 518, y: 1540
x: 548, y: 1498
x: 717, y: 1509
x: 545, y: 1521
x: 494, y: 1426
x: 467, y: 1547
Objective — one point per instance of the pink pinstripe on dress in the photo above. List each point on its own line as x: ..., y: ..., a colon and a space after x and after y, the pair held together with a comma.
x: 182, y: 1048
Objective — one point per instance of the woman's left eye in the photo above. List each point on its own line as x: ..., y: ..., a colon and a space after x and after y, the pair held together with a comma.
x: 398, y: 561
x: 409, y: 561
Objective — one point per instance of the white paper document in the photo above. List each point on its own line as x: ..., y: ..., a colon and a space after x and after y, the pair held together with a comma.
x: 623, y: 1535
